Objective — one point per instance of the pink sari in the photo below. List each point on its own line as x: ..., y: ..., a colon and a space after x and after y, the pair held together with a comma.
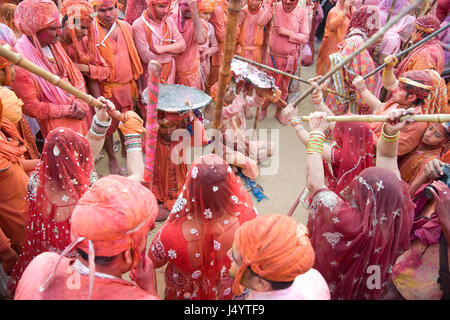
x: 358, y: 240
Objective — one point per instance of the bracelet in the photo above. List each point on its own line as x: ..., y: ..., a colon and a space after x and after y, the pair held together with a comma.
x: 295, y: 121
x: 133, y: 142
x: 99, y: 128
x: 315, y: 143
x: 317, y: 99
x: 317, y: 134
x: 387, y: 138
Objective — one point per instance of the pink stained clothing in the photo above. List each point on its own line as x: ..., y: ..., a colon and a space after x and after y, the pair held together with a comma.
x: 71, y: 284
x: 48, y: 104
x: 284, y: 50
x: 307, y: 286
x: 142, y: 46
x: 250, y: 36
x: 205, y: 65
x: 122, y: 92
x: 98, y: 68
x: 187, y: 63
x: 371, y: 227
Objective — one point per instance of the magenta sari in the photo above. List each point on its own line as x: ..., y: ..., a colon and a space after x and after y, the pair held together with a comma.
x: 357, y: 241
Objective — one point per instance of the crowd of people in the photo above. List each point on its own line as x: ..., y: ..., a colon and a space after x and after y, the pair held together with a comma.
x: 378, y: 194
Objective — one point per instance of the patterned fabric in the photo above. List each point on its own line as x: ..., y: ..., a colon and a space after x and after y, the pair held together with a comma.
x: 360, y: 65
x: 363, y: 234
x: 195, y: 239
x: 34, y: 15
x: 427, y: 23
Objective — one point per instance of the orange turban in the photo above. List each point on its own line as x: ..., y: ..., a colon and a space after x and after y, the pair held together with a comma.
x: 99, y: 2
x: 206, y: 5
x: 80, y: 9
x: 116, y: 214
x: 275, y: 247
x: 34, y: 15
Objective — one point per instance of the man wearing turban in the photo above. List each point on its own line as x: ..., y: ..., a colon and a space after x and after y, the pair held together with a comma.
x: 195, y: 33
x: 272, y: 258
x: 429, y: 55
x: 38, y: 21
x: 156, y: 37
x: 78, y: 39
x: 409, y: 91
x: 115, y: 43
x: 109, y: 227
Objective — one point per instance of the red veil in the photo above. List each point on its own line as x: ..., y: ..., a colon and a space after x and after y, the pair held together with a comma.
x: 357, y: 240
x: 352, y: 154
x: 200, y: 230
x: 59, y: 180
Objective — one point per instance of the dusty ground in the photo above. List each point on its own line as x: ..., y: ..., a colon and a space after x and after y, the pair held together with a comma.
x: 281, y: 188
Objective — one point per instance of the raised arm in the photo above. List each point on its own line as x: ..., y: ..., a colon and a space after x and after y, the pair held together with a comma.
x: 315, y: 178
x: 99, y: 126
x: 387, y: 145
x: 389, y: 79
x: 200, y: 34
x: 373, y: 102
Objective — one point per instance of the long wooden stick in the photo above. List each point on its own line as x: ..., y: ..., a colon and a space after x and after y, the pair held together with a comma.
x: 437, y: 117
x: 234, y: 8
x: 151, y: 124
x: 390, y: 10
x: 432, y: 35
x: 20, y: 61
x: 366, y: 45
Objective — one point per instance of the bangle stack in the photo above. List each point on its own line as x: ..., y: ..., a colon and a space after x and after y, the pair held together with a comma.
x: 317, y: 99
x: 133, y: 142
x: 99, y: 128
x: 315, y: 142
x: 295, y: 121
x: 387, y: 138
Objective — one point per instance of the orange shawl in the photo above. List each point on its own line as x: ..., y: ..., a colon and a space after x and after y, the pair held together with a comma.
x: 108, y: 54
x: 13, y: 149
x: 258, y: 41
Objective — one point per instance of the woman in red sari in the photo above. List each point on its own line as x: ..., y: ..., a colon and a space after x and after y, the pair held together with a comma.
x: 358, y: 237
x: 200, y: 230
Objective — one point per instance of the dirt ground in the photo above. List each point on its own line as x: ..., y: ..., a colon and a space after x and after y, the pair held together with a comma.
x: 283, y: 187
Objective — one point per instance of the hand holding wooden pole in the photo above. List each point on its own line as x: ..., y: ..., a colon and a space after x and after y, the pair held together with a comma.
x: 437, y: 117
x: 18, y: 60
x: 366, y: 45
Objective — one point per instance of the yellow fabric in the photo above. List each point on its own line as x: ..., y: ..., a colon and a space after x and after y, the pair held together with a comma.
x: 12, y: 105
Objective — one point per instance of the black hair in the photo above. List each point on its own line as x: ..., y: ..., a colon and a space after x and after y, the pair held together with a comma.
x: 276, y: 285
x: 104, y: 261
x: 408, y: 88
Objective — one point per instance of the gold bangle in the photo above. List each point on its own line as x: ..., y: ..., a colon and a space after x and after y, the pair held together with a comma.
x: 387, y: 138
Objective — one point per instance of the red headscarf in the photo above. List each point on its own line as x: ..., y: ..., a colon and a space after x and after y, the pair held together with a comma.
x: 206, y: 5
x: 275, y: 247
x: 418, y: 82
x: 66, y: 165
x: 34, y: 15
x: 427, y: 23
x: 352, y: 154
x: 200, y: 228
x: 361, y: 235
x: 83, y: 11
x: 150, y: 4
x: 365, y: 19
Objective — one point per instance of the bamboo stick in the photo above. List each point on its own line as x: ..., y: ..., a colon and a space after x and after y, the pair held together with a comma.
x: 18, y: 60
x: 234, y: 8
x: 438, y: 117
x: 432, y: 35
x: 368, y: 43
x: 390, y: 10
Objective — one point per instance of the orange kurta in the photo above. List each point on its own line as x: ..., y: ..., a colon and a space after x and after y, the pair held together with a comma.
x: 335, y: 29
x: 69, y: 284
x: 13, y: 186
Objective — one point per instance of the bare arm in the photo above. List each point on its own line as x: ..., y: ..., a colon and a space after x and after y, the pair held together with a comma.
x: 315, y: 178
x: 387, y: 145
x: 389, y: 79
x: 373, y: 102
x: 101, y: 115
x: 200, y: 33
